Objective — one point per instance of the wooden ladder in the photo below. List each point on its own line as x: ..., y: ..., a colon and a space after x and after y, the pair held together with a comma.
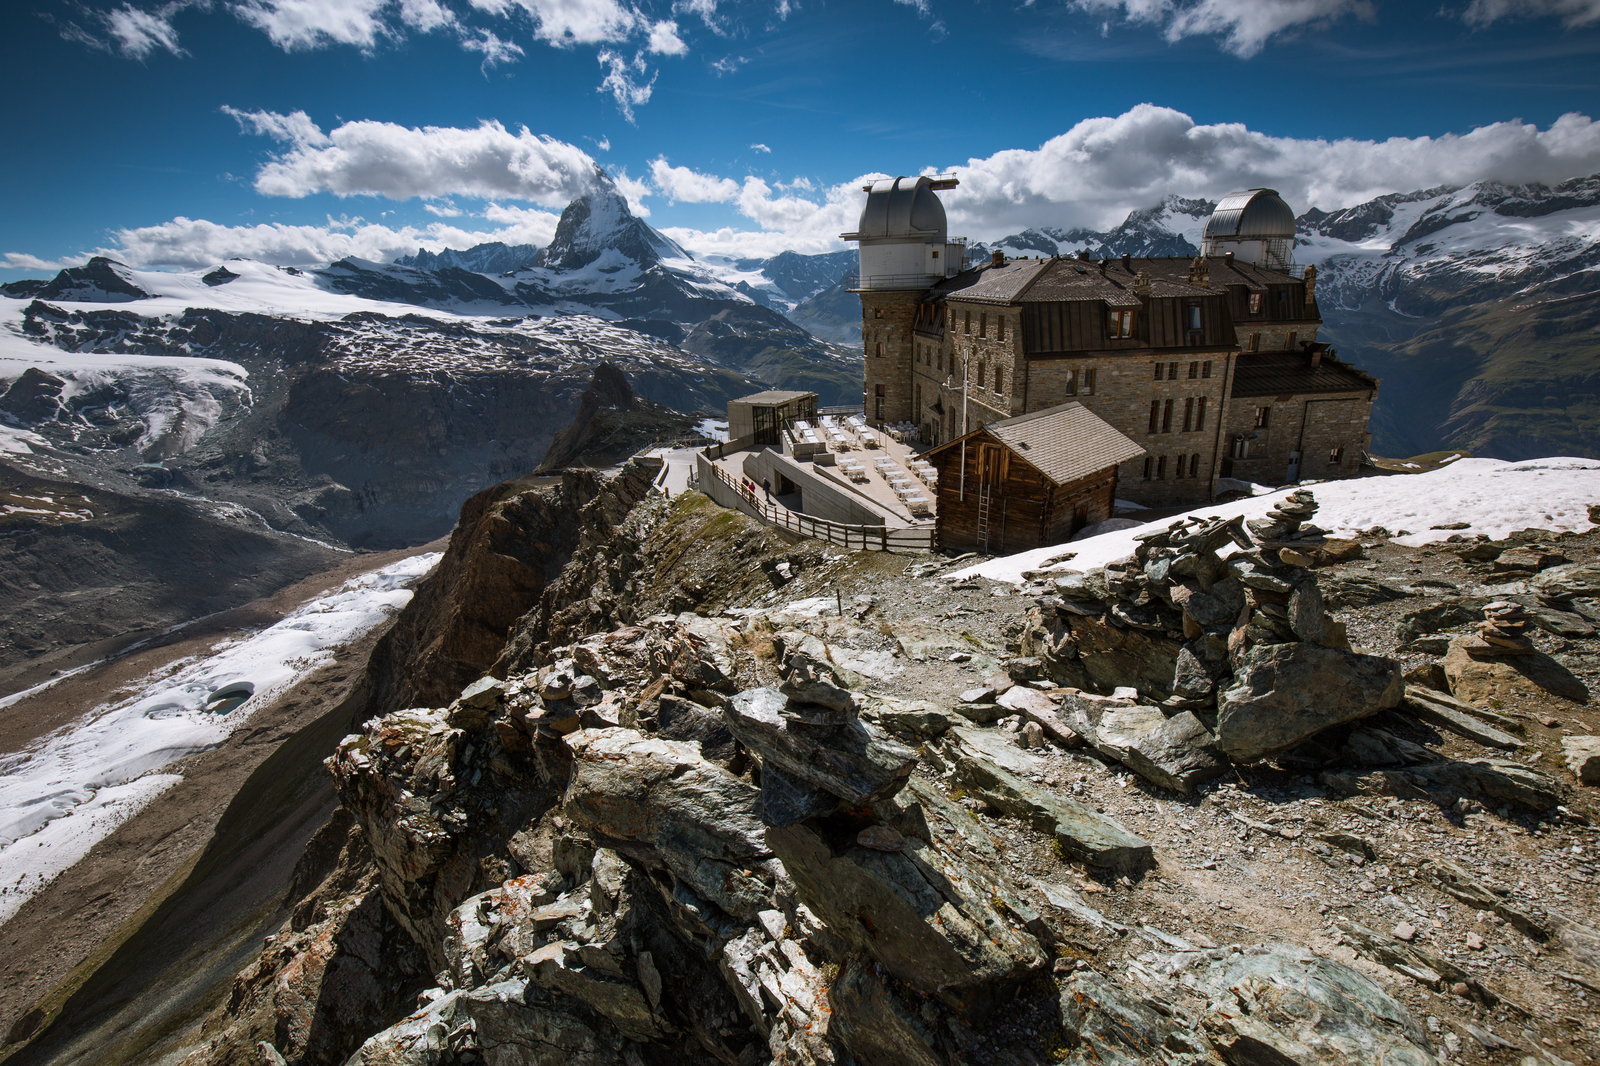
x: 983, y: 518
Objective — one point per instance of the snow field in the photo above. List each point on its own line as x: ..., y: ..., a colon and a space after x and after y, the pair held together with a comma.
x: 1491, y: 495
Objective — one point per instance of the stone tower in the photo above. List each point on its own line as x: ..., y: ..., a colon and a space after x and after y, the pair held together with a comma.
x: 905, y: 250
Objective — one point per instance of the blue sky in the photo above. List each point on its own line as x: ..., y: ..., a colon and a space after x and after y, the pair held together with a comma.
x: 296, y: 131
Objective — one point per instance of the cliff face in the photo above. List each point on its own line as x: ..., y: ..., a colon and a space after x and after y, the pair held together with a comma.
x: 512, y: 540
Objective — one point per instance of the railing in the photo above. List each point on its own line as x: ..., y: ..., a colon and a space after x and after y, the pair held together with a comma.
x: 711, y: 477
x: 869, y: 282
x: 677, y: 444
x: 845, y: 411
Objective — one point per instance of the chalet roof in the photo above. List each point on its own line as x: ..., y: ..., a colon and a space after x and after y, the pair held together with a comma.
x: 771, y: 397
x: 1278, y: 373
x: 1053, y: 280
x: 1063, y: 443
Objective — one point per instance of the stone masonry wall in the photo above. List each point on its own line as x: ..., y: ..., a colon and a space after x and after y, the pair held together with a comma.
x: 886, y: 319
x: 1275, y: 335
x: 1124, y: 387
x: 1313, y: 425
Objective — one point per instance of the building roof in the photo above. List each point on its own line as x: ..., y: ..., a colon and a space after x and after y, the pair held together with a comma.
x: 771, y: 397
x: 1253, y: 214
x: 1052, y: 280
x: 1281, y: 373
x: 1063, y: 443
x: 902, y: 207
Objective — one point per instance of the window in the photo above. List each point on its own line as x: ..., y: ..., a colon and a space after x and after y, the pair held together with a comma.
x: 1194, y: 370
x: 1205, y: 371
x: 1256, y: 300
x: 1072, y: 383
x: 999, y: 379
x: 983, y: 325
x: 1188, y: 413
x: 1200, y: 414
x: 1088, y: 382
x: 881, y: 389
x: 1336, y: 456
x: 983, y: 372
x: 1166, y: 417
x: 969, y: 321
x: 1149, y: 463
x: 1255, y: 342
x: 1177, y: 467
x: 1161, y: 468
x: 878, y: 349
x: 1289, y: 344
x: 1158, y: 371
x: 1000, y: 327
x: 1155, y: 414
x: 1194, y: 465
x: 1172, y: 371
x: 1120, y: 324
x: 877, y: 312
x: 1263, y: 414
x: 1194, y: 316
x: 936, y: 253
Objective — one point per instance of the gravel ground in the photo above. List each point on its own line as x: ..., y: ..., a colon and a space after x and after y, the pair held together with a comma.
x: 1267, y: 852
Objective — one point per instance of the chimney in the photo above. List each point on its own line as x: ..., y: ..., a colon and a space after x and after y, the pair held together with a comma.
x: 1083, y: 253
x: 998, y: 258
x: 1316, y: 357
x: 1127, y: 262
x: 1227, y: 257
x: 1103, y: 264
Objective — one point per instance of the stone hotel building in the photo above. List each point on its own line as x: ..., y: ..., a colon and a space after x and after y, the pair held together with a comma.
x: 1211, y: 363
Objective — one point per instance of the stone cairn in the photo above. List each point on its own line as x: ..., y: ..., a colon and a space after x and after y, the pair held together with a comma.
x: 1503, y: 631
x: 1177, y: 587
x: 1287, y: 528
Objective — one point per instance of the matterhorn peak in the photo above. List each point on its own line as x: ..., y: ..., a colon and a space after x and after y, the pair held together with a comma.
x: 598, y: 221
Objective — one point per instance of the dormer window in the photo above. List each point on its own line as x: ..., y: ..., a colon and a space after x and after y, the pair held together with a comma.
x: 1194, y: 316
x: 1119, y: 324
x: 1256, y: 301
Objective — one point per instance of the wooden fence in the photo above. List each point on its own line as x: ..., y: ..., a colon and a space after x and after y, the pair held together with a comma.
x: 712, y: 480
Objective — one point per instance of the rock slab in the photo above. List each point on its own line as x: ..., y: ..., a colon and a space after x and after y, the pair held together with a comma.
x: 1284, y: 694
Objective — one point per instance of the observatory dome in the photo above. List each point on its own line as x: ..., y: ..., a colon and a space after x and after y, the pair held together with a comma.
x: 1254, y: 214
x: 901, y: 208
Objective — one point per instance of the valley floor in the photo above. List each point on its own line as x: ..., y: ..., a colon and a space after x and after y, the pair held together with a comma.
x: 97, y: 919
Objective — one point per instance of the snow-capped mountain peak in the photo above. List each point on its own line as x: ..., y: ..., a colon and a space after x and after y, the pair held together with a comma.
x: 598, y: 221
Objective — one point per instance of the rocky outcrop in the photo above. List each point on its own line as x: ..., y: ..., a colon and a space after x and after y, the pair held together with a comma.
x: 1284, y: 694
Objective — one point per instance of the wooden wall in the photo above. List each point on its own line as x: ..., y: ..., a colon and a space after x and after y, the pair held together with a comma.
x: 1026, y: 510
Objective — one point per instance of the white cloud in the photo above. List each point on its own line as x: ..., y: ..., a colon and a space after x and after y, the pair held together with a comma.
x: 571, y: 22
x: 604, y: 143
x: 761, y: 148
x: 728, y: 64
x: 1572, y: 12
x: 920, y: 5
x: 664, y: 39
x: 426, y: 15
x: 24, y: 261
x: 621, y: 83
x: 1103, y: 167
x: 306, y: 24
x: 187, y: 244
x: 399, y: 162
x: 633, y: 190
x: 1245, y: 26
x: 138, y: 33
x: 443, y: 210
x: 296, y: 128
x: 495, y: 51
x: 690, y: 186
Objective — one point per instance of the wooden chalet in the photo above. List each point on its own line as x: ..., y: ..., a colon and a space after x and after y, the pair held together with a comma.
x: 1030, y: 481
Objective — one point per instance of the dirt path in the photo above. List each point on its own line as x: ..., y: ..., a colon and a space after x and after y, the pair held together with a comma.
x: 140, y: 936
